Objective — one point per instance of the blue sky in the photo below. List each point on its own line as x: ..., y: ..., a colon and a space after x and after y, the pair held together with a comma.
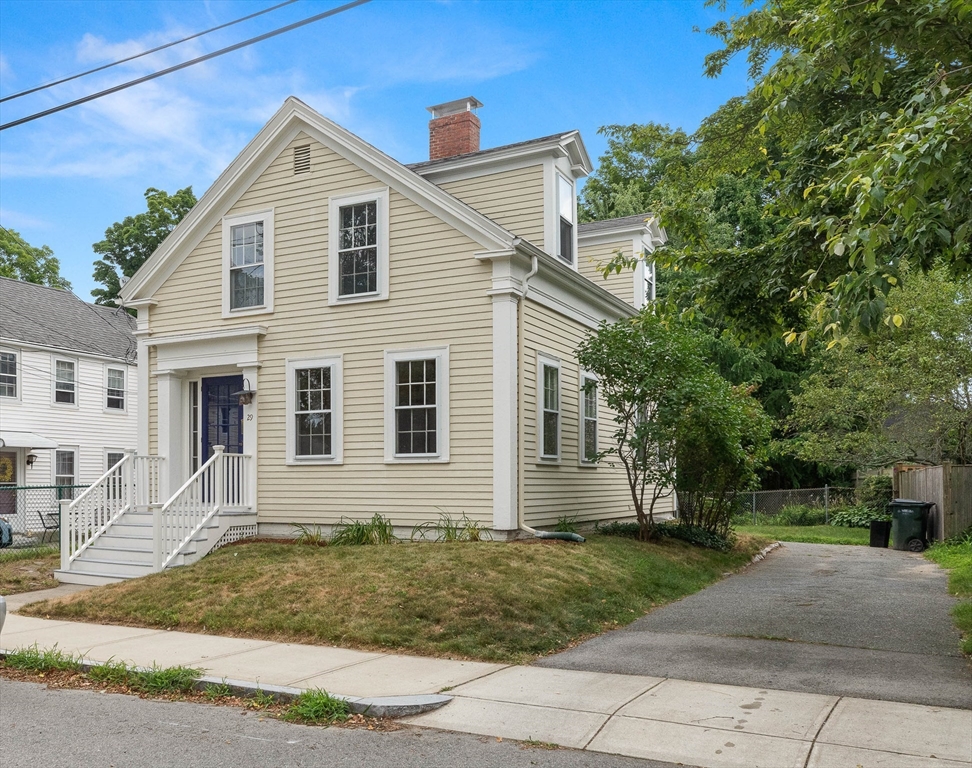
x: 538, y: 67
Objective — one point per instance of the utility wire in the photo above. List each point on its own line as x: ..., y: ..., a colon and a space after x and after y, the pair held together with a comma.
x: 143, y: 53
x: 183, y: 65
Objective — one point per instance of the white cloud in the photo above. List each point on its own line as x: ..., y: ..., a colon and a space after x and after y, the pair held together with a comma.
x: 17, y: 220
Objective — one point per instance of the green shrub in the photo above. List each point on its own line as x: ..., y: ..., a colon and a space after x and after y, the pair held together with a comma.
x: 566, y: 524
x: 317, y: 706
x: 625, y: 530
x: 695, y: 535
x: 875, y: 493
x: 800, y: 514
x: 351, y: 533
x: 857, y: 516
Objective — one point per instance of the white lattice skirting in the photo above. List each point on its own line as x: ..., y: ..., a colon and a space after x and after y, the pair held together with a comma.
x: 236, y: 533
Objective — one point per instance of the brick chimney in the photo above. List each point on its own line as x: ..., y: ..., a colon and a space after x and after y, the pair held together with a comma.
x: 454, y: 128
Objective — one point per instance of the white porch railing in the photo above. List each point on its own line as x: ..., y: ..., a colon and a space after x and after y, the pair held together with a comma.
x: 219, y: 484
x: 132, y: 481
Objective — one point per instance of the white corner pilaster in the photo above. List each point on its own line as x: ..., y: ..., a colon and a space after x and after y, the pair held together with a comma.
x: 250, y: 413
x: 171, y: 419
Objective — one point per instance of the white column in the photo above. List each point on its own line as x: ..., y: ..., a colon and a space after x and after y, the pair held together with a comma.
x: 144, y: 378
x: 171, y: 419
x: 250, y: 413
x: 505, y: 398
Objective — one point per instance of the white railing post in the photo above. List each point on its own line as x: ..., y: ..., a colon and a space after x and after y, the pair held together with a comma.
x: 158, y: 550
x: 64, y: 509
x: 219, y: 477
x: 129, y: 479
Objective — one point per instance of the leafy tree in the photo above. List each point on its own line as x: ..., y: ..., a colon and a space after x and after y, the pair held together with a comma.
x: 22, y: 261
x: 668, y: 403
x: 129, y: 243
x: 898, y: 394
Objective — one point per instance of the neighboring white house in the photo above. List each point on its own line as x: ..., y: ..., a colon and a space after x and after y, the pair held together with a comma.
x: 68, y: 404
x: 331, y: 334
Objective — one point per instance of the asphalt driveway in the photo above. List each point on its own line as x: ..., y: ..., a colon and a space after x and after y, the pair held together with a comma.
x: 838, y: 620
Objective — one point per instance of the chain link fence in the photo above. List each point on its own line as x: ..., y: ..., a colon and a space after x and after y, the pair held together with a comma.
x: 771, y: 507
x: 30, y: 519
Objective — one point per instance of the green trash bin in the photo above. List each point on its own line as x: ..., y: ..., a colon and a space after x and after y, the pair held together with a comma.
x: 909, y: 524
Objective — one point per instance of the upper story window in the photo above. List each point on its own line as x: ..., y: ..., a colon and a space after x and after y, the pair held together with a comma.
x: 588, y: 418
x: 115, y: 389
x: 650, y: 283
x: 314, y: 394
x: 565, y: 212
x: 548, y: 412
x: 248, y: 263
x: 417, y: 405
x: 8, y: 374
x: 358, y: 247
x: 65, y: 385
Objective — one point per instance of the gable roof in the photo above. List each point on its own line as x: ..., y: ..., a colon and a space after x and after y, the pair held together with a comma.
x: 291, y: 119
x: 570, y: 141
x: 50, y: 317
x: 639, y: 220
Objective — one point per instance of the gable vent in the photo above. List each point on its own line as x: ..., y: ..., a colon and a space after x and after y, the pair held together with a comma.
x: 302, y: 159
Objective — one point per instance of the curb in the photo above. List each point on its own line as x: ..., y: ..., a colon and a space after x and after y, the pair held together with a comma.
x: 764, y: 552
x: 373, y: 706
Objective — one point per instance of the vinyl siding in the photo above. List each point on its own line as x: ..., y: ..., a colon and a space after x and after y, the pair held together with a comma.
x: 620, y: 284
x: 554, y: 490
x: 438, y: 296
x: 513, y: 199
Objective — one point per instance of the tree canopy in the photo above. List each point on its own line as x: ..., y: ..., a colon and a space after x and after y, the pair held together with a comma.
x: 129, y: 243
x: 20, y: 260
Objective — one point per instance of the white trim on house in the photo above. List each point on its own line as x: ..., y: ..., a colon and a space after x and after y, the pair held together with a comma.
x: 265, y: 217
x: 125, y: 395
x: 75, y: 451
x: 584, y: 376
x: 441, y: 356
x: 117, y: 451
x: 55, y: 358
x: 336, y: 364
x: 18, y: 374
x: 334, y: 205
x: 545, y: 360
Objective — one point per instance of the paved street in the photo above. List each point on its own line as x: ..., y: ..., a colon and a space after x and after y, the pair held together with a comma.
x: 80, y: 729
x: 835, y: 620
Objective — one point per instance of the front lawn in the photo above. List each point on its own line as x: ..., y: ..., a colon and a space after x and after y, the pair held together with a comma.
x: 810, y: 534
x: 484, y: 600
x: 27, y: 570
x: 956, y: 557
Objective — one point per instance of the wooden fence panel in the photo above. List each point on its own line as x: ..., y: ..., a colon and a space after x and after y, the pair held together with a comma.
x: 949, y: 487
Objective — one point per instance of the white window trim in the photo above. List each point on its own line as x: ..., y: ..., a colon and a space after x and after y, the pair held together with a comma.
x: 122, y: 451
x: 379, y: 196
x: 234, y: 220
x: 441, y: 356
x: 583, y: 377
x: 63, y: 449
x: 104, y: 393
x: 549, y: 360
x: 77, y: 381
x: 336, y: 364
x: 18, y: 354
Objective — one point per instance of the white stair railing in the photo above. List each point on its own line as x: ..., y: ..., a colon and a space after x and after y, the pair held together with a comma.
x: 88, y: 516
x: 148, y: 475
x: 219, y: 484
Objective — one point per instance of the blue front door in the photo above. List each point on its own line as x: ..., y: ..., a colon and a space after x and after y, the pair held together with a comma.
x: 222, y: 415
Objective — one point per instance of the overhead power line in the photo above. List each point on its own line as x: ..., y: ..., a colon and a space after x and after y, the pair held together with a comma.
x: 183, y: 65
x: 143, y: 53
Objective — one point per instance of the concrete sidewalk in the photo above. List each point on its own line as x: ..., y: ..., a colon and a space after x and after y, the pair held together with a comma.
x: 645, y: 717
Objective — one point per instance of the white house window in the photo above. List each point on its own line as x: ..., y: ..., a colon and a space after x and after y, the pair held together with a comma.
x: 649, y: 281
x: 417, y: 405
x: 549, y: 411
x: 358, y: 247
x: 8, y: 374
x: 65, y: 472
x: 565, y: 211
x: 112, y: 458
x: 115, y: 386
x: 248, y: 263
x: 314, y: 395
x: 65, y: 386
x: 588, y: 418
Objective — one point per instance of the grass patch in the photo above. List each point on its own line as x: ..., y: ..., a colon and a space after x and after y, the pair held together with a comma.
x: 508, y: 602
x: 955, y: 556
x: 32, y: 659
x: 317, y: 707
x: 27, y: 571
x: 810, y: 534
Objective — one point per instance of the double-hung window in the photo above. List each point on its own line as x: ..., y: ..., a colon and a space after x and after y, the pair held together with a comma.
x: 588, y: 418
x: 314, y: 406
x: 115, y: 389
x: 548, y: 411
x: 65, y: 472
x: 565, y: 217
x: 65, y: 385
x: 417, y: 405
x: 8, y: 374
x: 248, y: 263
x: 358, y: 247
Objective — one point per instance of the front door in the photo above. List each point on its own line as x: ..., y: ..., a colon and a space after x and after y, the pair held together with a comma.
x: 8, y: 481
x: 222, y: 415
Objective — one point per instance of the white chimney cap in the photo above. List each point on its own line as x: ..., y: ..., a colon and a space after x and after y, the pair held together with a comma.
x: 468, y: 104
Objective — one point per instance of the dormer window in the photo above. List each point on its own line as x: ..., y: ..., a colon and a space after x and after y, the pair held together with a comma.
x: 565, y: 210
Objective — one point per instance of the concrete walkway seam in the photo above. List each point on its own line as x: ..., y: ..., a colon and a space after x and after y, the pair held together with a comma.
x: 813, y: 741
x: 620, y: 707
x: 375, y: 706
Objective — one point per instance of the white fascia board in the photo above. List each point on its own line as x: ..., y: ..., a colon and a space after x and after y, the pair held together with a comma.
x: 292, y: 118
x: 235, y: 332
